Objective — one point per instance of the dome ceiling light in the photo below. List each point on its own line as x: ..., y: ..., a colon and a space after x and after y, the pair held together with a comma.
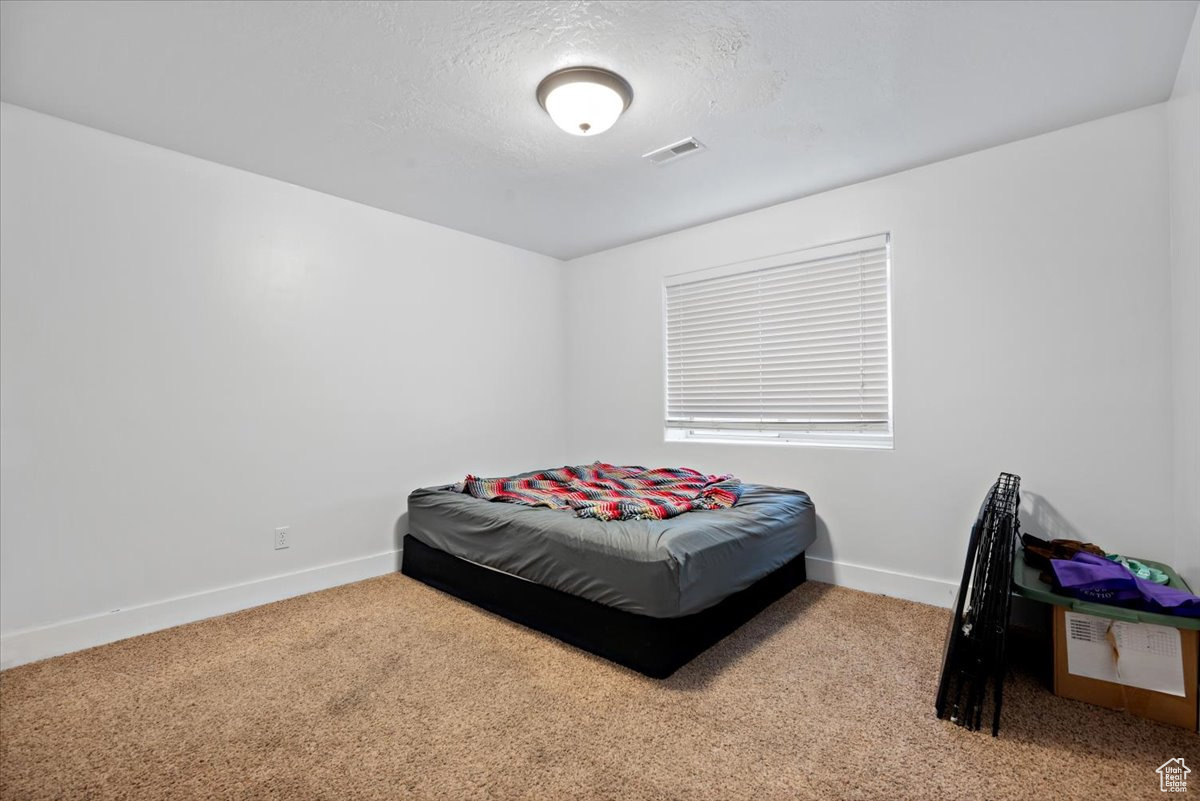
x: 584, y: 101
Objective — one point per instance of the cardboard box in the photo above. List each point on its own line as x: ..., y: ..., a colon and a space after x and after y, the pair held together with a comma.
x: 1093, y: 640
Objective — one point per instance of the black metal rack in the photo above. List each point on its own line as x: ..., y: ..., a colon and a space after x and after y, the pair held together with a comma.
x: 974, y: 658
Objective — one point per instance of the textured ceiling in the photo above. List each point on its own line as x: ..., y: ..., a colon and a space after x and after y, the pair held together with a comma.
x: 428, y: 108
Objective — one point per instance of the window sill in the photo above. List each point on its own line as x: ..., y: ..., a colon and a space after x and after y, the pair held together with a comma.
x: 868, y: 442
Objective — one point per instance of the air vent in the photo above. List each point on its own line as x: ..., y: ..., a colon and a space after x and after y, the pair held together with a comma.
x: 672, y: 152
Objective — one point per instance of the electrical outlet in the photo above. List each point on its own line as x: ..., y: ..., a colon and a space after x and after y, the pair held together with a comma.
x: 283, y: 538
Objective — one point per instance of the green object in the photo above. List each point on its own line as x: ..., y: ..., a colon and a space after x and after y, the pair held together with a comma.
x: 1026, y: 584
x: 1142, y: 571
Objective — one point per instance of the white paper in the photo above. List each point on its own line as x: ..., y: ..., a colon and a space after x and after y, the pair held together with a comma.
x: 1133, y: 654
x: 1089, y: 651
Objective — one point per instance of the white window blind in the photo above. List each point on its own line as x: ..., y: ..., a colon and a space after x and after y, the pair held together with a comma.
x: 792, y: 347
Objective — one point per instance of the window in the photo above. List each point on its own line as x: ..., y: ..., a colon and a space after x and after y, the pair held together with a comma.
x: 790, y: 348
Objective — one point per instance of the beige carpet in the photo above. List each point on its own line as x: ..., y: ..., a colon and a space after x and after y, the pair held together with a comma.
x: 387, y: 689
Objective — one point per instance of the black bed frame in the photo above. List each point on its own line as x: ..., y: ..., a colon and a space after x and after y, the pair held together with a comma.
x: 654, y: 646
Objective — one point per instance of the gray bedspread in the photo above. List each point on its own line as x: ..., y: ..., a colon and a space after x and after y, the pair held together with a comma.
x: 660, y: 568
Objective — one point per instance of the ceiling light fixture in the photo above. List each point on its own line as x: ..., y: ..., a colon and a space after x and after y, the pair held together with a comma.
x: 584, y: 101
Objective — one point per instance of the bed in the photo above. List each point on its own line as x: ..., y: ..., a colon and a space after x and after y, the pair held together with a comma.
x: 647, y: 594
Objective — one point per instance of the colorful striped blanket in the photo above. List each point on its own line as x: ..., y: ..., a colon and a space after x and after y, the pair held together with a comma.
x: 608, y: 492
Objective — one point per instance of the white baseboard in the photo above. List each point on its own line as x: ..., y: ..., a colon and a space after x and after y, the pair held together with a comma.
x: 29, y: 645
x: 936, y: 592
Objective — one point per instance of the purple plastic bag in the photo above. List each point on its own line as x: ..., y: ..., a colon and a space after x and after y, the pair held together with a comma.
x: 1092, y: 578
x: 1168, y: 600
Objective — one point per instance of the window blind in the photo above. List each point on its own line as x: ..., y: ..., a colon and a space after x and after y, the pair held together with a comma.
x: 791, y: 344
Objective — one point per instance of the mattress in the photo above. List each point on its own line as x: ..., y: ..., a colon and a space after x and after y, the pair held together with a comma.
x: 659, y: 568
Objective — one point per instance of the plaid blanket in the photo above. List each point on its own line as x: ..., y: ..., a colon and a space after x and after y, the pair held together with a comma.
x: 607, y: 492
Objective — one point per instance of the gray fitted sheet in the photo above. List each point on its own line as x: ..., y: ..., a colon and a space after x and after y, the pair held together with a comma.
x: 660, y: 568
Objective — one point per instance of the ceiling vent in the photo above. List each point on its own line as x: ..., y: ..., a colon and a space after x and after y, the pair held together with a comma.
x: 674, y: 152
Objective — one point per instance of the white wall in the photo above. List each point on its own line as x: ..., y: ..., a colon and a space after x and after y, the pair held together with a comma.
x: 1030, y: 334
x: 1184, y: 137
x: 193, y: 355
